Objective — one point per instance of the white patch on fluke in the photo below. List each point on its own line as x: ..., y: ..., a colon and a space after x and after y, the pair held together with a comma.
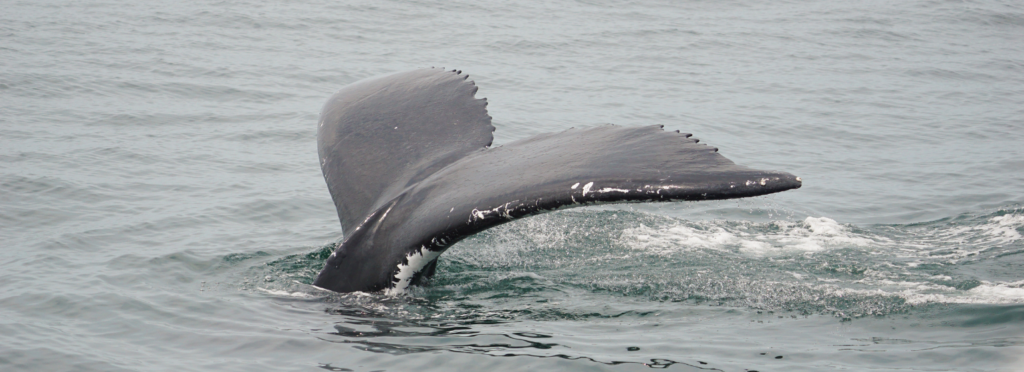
x: 504, y: 210
x: 586, y: 188
x: 417, y: 260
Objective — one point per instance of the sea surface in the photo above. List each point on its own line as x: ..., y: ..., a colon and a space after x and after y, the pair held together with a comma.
x: 162, y: 206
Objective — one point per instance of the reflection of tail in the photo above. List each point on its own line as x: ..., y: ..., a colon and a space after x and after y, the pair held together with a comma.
x: 407, y: 162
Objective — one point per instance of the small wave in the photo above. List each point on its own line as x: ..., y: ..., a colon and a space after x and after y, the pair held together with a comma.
x: 813, y: 234
x: 288, y: 294
x: 965, y: 237
x: 1012, y: 292
x: 1004, y: 229
x: 816, y: 234
x: 917, y: 293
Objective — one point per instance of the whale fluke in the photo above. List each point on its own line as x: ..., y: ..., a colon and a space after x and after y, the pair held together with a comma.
x: 407, y: 162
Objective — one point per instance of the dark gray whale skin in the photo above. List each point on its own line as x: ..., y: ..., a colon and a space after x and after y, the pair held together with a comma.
x: 407, y: 161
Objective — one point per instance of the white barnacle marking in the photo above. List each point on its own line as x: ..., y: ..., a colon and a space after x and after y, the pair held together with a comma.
x: 749, y: 182
x: 610, y: 189
x: 799, y: 180
x: 416, y: 261
x: 451, y: 210
x: 575, y: 185
x: 479, y: 215
x: 764, y: 181
x: 586, y: 188
x: 335, y: 253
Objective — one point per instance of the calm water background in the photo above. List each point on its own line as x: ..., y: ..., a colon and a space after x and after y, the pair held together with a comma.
x: 162, y: 208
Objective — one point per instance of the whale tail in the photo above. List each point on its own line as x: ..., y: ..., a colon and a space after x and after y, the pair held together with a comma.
x: 407, y: 162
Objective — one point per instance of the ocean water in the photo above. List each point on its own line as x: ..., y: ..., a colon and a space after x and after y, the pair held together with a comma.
x: 162, y: 207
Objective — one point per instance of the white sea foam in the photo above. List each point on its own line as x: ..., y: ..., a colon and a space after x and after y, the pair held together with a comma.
x: 1004, y: 229
x: 281, y: 293
x: 986, y: 293
x: 1012, y: 292
x: 928, y: 244
x: 811, y: 235
x: 814, y: 234
x: 919, y: 293
x: 956, y: 242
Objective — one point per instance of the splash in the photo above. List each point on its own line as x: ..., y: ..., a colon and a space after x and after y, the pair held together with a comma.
x: 813, y: 234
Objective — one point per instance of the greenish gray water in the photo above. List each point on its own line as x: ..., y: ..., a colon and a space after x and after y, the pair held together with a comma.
x: 162, y: 208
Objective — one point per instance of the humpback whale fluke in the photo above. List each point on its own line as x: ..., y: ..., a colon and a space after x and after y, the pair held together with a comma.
x: 407, y: 161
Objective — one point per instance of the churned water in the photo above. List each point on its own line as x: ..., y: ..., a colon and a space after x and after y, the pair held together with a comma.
x: 162, y: 208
